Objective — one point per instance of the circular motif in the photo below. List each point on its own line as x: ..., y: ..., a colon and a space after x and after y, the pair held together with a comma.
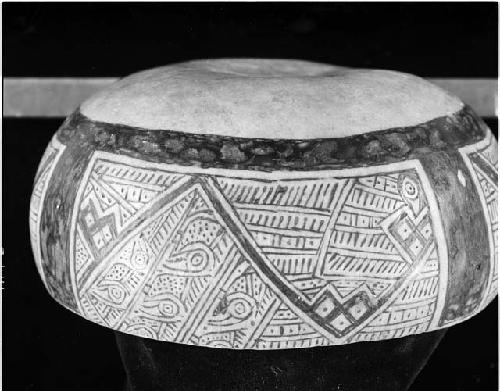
x: 240, y: 306
x: 139, y: 260
x: 169, y: 308
x: 198, y: 260
x: 116, y: 293
x: 409, y: 188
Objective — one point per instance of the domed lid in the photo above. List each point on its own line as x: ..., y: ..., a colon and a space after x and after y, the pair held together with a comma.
x: 269, y: 99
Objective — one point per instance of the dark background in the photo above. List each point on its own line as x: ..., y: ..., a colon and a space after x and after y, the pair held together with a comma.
x: 47, y: 347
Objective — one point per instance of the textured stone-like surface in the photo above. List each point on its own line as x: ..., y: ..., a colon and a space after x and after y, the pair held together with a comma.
x: 207, y: 150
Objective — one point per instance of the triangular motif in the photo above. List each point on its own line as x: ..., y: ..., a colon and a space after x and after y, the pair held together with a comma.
x: 377, y: 231
x: 201, y: 256
x: 110, y: 291
x: 286, y: 330
x: 114, y: 197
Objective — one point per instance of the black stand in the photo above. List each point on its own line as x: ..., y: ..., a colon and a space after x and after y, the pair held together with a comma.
x: 390, y: 365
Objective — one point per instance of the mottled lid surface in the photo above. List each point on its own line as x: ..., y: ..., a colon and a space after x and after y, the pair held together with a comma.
x: 269, y: 99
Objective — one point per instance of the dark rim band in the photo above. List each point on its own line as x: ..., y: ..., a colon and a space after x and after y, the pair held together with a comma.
x: 205, y: 150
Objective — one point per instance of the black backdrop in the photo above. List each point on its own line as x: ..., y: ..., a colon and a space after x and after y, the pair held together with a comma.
x: 48, y: 348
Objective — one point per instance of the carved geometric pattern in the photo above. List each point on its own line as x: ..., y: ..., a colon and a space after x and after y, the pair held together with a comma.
x: 240, y: 262
x: 114, y: 196
x: 364, y: 228
x: 47, y: 164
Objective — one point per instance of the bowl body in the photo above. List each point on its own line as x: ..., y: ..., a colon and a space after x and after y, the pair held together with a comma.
x: 233, y: 241
x: 269, y: 243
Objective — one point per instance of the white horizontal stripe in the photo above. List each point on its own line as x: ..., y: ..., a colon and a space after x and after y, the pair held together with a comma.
x: 58, y: 97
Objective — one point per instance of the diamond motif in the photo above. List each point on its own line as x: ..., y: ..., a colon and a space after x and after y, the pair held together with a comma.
x: 325, y: 307
x: 358, y: 310
x: 340, y: 322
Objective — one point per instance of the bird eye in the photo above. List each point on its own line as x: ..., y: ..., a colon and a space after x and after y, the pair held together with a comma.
x: 164, y: 307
